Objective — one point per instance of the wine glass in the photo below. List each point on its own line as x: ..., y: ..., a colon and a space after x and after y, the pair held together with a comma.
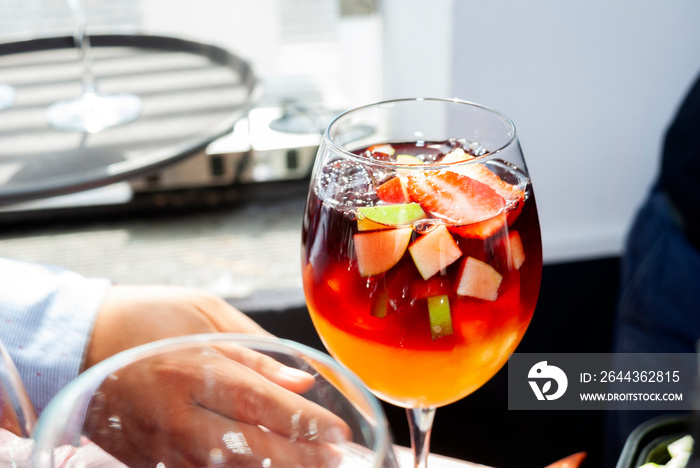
x: 421, y: 250
x: 7, y: 96
x: 115, y: 414
x: 92, y: 112
x: 17, y: 416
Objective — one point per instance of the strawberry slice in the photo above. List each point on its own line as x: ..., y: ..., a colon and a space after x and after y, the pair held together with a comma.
x: 456, y: 198
x: 482, y: 230
x: 513, y: 196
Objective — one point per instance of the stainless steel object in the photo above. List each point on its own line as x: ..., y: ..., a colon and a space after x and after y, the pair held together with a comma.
x: 271, y: 143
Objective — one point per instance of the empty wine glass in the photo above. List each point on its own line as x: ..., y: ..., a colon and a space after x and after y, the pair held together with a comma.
x: 122, y: 411
x: 92, y: 112
x: 7, y: 96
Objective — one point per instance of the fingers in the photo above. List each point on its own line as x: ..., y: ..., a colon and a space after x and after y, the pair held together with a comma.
x: 202, y: 438
x: 223, y: 442
x: 255, y: 400
x: 203, y: 409
x: 294, y: 380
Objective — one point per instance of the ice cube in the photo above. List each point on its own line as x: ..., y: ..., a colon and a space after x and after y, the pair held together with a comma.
x: 476, y: 149
x: 346, y: 184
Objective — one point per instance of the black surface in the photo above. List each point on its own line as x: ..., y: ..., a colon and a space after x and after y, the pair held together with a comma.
x: 574, y: 315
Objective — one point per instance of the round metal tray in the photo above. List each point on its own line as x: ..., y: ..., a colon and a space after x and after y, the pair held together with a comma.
x: 192, y: 93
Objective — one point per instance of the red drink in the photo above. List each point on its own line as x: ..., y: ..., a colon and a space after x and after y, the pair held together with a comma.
x: 425, y: 284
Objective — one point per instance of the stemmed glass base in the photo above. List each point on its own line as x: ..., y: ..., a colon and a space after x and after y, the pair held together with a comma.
x: 420, y: 421
x: 7, y: 96
x: 92, y: 112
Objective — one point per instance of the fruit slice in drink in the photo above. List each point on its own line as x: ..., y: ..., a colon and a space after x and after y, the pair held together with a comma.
x: 378, y: 251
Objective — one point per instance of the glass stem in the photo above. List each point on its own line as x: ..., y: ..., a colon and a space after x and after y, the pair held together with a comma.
x: 420, y: 422
x: 82, y: 42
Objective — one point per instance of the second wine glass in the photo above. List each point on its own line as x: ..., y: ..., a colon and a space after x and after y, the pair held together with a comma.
x: 17, y: 416
x: 421, y: 250
x: 91, y: 112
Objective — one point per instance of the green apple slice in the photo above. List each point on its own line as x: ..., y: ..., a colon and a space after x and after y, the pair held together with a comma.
x: 380, y: 305
x: 440, y: 316
x: 393, y: 215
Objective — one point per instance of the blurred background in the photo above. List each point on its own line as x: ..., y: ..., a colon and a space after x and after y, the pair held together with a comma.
x: 591, y: 87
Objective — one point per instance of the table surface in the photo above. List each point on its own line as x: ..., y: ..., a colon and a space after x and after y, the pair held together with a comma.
x: 192, y: 93
x: 404, y: 457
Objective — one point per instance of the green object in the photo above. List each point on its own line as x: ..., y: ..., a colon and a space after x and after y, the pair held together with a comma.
x: 684, y: 444
x: 380, y: 305
x: 658, y: 455
x: 393, y: 215
x: 440, y: 316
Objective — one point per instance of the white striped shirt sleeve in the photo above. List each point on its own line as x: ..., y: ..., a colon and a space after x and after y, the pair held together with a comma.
x: 46, y: 318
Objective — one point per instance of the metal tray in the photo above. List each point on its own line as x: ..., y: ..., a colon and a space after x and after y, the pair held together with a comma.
x: 193, y: 93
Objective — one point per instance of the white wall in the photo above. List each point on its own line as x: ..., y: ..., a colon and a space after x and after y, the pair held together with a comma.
x: 591, y: 87
x: 298, y: 48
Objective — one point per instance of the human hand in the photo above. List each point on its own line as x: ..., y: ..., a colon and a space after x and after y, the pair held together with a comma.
x: 204, y: 408
x: 213, y: 406
x: 134, y: 315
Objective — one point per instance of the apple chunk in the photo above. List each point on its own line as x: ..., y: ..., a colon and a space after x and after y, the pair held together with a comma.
x: 378, y: 251
x: 456, y: 155
x: 434, y: 251
x: 515, y: 250
x: 478, y: 279
x: 408, y: 160
x: 385, y: 149
x: 393, y: 190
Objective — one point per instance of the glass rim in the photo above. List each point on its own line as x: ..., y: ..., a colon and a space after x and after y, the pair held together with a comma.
x: 91, y: 378
x: 428, y: 165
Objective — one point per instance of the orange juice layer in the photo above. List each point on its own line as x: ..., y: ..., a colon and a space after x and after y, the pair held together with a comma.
x: 421, y: 377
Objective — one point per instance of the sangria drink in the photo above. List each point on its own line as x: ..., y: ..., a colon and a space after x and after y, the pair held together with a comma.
x: 421, y: 250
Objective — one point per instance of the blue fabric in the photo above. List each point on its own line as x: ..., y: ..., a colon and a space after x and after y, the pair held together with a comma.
x: 46, y: 318
x: 681, y: 162
x: 659, y: 306
x: 659, y: 302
